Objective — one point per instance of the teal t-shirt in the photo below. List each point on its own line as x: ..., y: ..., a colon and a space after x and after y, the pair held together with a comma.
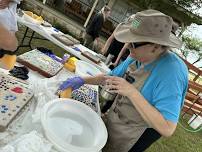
x: 166, y: 86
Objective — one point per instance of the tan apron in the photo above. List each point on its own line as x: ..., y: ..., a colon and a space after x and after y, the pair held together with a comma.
x: 124, y: 123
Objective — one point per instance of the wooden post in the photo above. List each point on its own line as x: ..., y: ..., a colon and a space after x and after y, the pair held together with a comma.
x: 91, y: 12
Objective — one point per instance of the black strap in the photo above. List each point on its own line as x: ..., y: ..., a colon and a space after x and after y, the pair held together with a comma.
x: 146, y: 140
x: 3, y: 52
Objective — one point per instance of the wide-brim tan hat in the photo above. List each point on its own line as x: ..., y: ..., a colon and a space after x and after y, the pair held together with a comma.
x: 148, y: 26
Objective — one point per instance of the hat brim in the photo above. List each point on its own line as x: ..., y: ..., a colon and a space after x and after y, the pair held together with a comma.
x: 123, y: 34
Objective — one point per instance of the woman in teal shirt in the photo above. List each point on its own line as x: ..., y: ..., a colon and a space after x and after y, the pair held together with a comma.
x: 154, y: 97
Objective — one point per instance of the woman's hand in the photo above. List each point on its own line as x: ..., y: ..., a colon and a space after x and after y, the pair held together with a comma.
x: 74, y: 83
x: 119, y: 85
x: 115, y: 64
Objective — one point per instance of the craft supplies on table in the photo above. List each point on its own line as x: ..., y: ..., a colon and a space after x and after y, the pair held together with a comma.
x: 75, y: 41
x: 71, y: 64
x: 40, y: 62
x: 32, y: 18
x: 65, y: 39
x: 14, y: 95
x: 87, y: 95
x: 91, y: 57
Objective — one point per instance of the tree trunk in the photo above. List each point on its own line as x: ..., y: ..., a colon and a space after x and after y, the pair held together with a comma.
x: 182, y: 29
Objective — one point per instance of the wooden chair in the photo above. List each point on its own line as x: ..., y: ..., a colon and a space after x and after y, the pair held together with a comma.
x: 192, y: 105
x: 196, y: 72
x: 194, y: 88
x: 193, y: 100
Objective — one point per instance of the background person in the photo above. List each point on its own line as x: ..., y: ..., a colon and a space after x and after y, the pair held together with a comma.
x: 118, y: 49
x: 8, y: 27
x: 94, y: 28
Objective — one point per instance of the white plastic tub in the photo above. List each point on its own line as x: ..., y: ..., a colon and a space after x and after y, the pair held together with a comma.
x: 73, y: 126
x: 86, y: 69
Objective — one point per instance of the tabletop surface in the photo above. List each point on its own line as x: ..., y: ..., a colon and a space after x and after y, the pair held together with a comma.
x: 47, y: 33
x: 28, y: 120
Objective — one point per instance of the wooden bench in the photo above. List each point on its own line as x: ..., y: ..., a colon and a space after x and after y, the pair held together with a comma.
x: 193, y: 99
x: 193, y: 70
x: 192, y: 104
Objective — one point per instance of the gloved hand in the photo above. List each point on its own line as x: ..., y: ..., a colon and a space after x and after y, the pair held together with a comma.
x: 74, y: 83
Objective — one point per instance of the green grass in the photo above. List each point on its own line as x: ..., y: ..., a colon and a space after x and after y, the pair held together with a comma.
x: 181, y: 141
x: 37, y: 43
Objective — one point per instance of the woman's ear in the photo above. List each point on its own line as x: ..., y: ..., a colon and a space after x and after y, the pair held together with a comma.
x: 157, y: 47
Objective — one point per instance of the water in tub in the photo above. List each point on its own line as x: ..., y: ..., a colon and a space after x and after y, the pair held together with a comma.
x: 72, y: 129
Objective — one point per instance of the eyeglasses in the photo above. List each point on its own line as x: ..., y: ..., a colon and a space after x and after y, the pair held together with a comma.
x: 136, y: 45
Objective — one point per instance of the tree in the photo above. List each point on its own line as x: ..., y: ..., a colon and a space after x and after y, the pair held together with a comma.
x: 191, y: 5
x: 193, y: 45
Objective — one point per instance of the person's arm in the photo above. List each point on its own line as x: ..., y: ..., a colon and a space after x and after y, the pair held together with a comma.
x: 149, y: 113
x: 107, y: 44
x: 123, y: 50
x: 118, y: 71
x: 95, y: 80
x: 77, y: 82
x: 8, y: 40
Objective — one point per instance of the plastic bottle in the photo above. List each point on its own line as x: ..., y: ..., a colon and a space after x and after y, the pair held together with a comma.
x: 65, y: 58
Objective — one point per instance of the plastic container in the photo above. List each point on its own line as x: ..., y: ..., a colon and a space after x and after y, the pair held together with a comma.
x: 72, y: 126
x: 32, y: 18
x: 195, y: 121
x: 72, y: 60
x: 65, y: 58
x: 70, y: 67
x: 86, y: 69
x: 107, y: 95
x: 8, y: 61
x: 70, y: 64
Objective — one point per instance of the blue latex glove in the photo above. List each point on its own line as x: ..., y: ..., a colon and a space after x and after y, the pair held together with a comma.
x: 53, y: 56
x: 74, y: 83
